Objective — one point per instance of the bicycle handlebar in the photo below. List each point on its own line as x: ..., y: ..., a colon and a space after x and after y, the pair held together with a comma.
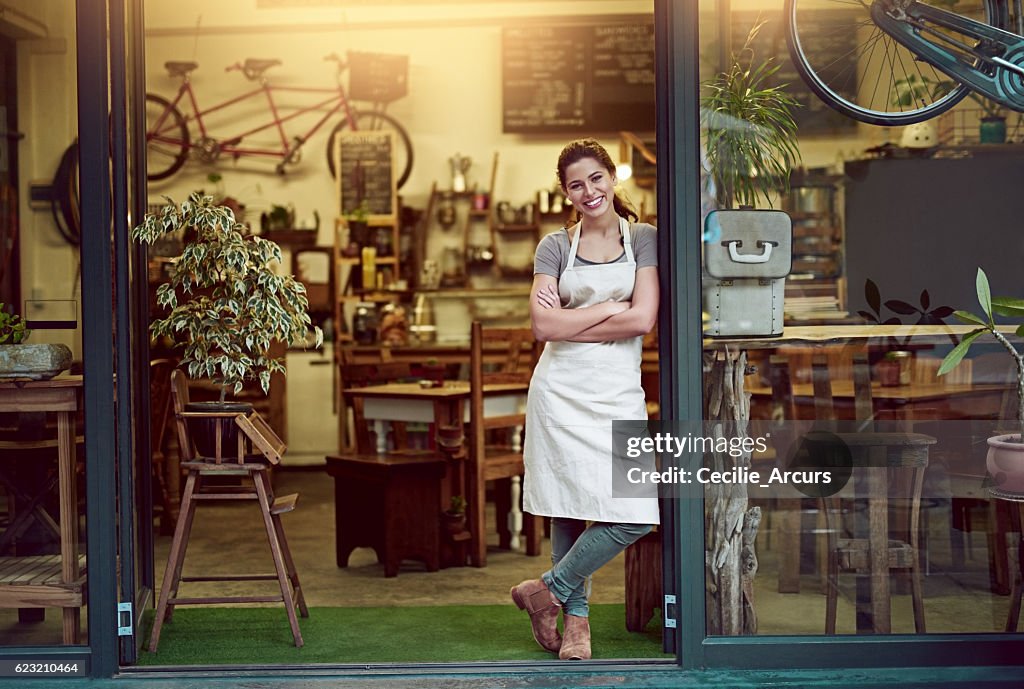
x: 232, y: 68
x: 334, y: 57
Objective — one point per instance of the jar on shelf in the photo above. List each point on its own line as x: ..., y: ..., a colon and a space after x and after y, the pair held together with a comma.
x: 364, y: 323
x: 382, y: 241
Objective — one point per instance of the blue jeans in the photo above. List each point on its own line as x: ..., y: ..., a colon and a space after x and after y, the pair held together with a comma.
x: 577, y: 551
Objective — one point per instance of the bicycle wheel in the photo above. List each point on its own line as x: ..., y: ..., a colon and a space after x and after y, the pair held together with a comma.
x: 167, y: 140
x: 861, y: 71
x: 377, y: 121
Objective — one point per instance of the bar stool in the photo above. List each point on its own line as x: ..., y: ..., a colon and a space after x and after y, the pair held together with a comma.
x: 256, y: 449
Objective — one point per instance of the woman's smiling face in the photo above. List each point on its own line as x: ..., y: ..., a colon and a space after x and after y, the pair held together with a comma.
x: 590, y: 187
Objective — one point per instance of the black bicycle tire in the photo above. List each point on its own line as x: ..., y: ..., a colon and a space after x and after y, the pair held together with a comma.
x: 852, y: 110
x: 405, y: 142
x: 182, y: 156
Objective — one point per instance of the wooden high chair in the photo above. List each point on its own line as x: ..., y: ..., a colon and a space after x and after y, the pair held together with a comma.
x: 256, y: 449
x: 492, y: 461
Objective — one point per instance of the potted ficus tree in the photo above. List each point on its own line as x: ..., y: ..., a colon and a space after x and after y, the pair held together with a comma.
x: 226, y: 305
x: 1005, y: 460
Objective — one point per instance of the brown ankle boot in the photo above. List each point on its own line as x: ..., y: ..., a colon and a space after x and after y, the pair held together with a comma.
x: 534, y: 597
x: 576, y: 644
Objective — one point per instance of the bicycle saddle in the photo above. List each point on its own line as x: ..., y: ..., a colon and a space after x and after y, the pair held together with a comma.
x: 253, y: 69
x: 180, y: 69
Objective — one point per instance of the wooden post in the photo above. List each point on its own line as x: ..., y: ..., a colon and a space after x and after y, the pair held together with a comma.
x: 730, y: 525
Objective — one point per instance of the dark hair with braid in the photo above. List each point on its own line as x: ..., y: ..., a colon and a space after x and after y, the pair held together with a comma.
x: 589, y: 148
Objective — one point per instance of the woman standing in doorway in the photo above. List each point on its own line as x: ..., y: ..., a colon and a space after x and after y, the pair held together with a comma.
x: 594, y: 297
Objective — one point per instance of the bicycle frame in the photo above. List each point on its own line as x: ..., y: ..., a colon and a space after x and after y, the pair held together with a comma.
x: 231, y: 145
x: 984, y: 68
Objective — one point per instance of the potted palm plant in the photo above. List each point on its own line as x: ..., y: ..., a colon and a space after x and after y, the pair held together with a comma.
x: 225, y: 303
x: 1005, y: 460
x: 751, y: 136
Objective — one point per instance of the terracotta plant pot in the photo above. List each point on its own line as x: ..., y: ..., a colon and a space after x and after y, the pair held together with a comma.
x: 1005, y: 462
x: 453, y: 523
x: 888, y: 373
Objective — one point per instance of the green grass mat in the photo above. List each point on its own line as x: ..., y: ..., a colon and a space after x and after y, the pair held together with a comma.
x: 215, y: 636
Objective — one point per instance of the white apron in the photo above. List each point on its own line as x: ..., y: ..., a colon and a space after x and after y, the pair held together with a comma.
x: 577, y: 389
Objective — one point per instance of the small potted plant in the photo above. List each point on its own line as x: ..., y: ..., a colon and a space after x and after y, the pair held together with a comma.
x: 20, y: 360
x: 992, y: 123
x: 454, y: 518
x: 434, y: 371
x: 225, y: 303
x: 358, y: 219
x: 278, y: 219
x: 1005, y: 461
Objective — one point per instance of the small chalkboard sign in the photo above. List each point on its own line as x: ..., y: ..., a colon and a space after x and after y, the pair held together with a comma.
x: 365, y: 160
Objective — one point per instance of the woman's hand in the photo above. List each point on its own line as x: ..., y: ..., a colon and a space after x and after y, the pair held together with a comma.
x: 547, y: 297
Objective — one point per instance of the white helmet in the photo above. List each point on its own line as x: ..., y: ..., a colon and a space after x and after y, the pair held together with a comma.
x: 920, y: 135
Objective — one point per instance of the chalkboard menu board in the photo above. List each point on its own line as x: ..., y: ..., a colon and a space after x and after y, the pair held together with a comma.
x: 578, y: 78
x: 365, y: 161
x: 838, y: 49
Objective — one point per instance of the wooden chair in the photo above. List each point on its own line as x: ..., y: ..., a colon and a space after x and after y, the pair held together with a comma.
x: 388, y: 501
x: 904, y: 458
x: 256, y: 448
x: 790, y: 510
x: 501, y: 462
x: 363, y: 375
x: 160, y: 411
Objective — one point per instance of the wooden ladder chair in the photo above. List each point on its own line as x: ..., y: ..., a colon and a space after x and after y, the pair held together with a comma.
x: 256, y: 449
x: 895, y: 463
x: 492, y: 461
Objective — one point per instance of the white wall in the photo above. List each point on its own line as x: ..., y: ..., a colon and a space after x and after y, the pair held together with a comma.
x: 453, y: 105
x: 48, y: 116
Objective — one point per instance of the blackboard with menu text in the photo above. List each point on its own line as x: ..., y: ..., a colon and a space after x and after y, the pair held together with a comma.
x: 578, y: 78
x: 366, y: 165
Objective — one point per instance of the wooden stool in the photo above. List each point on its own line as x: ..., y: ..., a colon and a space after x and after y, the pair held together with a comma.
x: 643, y: 581
x: 390, y: 502
x: 1014, y: 501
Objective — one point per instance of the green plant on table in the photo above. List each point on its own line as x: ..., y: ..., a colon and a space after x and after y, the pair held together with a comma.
x: 226, y: 304
x: 359, y: 214
x: 12, y: 326
x: 751, y: 136
x: 991, y: 306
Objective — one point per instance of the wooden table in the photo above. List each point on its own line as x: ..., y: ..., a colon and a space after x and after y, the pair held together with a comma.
x: 726, y: 399
x: 50, y: 580
x: 941, y: 400
x: 447, y: 408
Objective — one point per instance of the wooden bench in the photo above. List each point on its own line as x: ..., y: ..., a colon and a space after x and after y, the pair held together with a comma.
x: 35, y: 581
